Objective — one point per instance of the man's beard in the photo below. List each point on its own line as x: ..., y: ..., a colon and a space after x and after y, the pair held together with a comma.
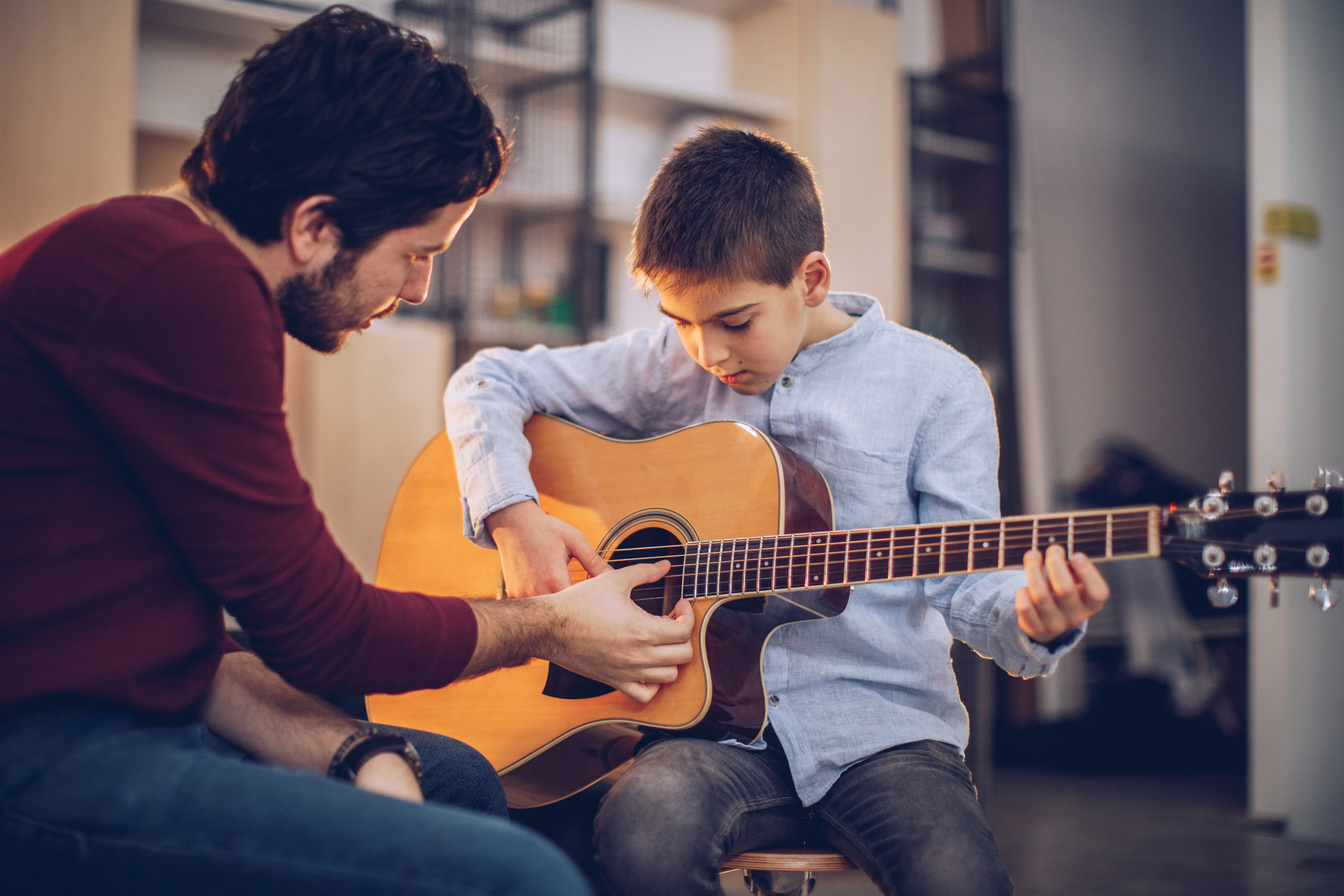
x: 315, y: 307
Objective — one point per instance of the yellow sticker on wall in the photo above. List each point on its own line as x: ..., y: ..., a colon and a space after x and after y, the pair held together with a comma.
x: 1291, y: 219
x: 1266, y: 261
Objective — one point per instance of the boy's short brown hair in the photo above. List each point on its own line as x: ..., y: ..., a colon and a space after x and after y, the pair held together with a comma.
x: 728, y: 205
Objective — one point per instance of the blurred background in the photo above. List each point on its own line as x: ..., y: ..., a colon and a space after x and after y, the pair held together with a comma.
x: 1125, y: 211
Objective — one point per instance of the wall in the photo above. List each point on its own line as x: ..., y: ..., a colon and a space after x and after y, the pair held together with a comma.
x: 1296, y: 404
x: 68, y: 73
x: 1131, y: 256
x: 839, y: 67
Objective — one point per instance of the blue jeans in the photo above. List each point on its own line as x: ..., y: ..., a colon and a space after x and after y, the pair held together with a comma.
x: 907, y: 816
x: 101, y: 801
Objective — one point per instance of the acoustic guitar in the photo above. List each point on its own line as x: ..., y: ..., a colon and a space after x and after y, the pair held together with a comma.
x: 746, y: 524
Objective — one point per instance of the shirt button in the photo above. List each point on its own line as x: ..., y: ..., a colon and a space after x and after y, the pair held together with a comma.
x: 774, y: 699
x: 786, y: 382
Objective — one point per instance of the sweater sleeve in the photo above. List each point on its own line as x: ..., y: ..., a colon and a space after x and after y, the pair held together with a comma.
x: 184, y: 371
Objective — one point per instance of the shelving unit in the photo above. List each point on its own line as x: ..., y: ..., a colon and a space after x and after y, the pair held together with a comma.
x: 960, y: 268
x: 529, y: 268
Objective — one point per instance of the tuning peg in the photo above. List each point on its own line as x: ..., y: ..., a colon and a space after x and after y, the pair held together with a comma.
x: 1276, y: 482
x: 1327, y: 479
x: 1226, y: 482
x: 1322, y: 593
x: 1274, y: 590
x: 1222, y: 595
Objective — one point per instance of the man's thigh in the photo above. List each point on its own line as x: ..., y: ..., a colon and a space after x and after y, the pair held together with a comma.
x: 102, y: 802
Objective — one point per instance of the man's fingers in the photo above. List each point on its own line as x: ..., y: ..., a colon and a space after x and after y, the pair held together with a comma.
x: 640, y: 691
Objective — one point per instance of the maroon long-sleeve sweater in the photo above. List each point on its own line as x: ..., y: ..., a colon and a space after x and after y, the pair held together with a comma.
x: 147, y: 479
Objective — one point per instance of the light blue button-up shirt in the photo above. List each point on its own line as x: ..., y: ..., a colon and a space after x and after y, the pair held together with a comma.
x: 901, y: 426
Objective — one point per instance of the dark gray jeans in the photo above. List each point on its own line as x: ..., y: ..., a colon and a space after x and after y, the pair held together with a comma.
x: 102, y: 801
x: 907, y: 816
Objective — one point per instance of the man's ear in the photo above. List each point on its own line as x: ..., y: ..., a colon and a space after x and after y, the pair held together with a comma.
x: 816, y: 273
x: 309, y: 234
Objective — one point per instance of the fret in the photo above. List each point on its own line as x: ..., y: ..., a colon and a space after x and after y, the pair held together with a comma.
x: 859, y: 557
x: 903, y: 552
x: 697, y: 574
x: 836, y: 558
x: 1110, y: 522
x: 1069, y: 550
x: 956, y: 549
x: 882, y: 555
x: 1091, y: 534
x: 1133, y: 533
x: 737, y: 567
x: 1003, y: 539
x: 1053, y: 530
x: 818, y: 553
x: 722, y: 568
x: 914, y: 551
x: 797, y: 577
x: 1035, y: 532
x: 751, y: 567
x: 984, y: 549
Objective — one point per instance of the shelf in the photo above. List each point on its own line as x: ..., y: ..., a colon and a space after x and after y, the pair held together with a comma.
x: 954, y: 147
x: 957, y: 260
x: 520, y: 333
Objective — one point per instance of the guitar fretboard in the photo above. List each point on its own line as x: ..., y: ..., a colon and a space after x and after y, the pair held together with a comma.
x: 814, y: 560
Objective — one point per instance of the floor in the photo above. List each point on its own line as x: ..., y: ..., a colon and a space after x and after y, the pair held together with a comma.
x: 1136, y: 835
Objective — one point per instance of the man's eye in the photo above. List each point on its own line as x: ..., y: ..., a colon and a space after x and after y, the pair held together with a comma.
x: 737, y: 327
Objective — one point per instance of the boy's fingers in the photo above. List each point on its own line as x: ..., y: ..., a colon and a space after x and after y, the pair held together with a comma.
x: 1095, y: 591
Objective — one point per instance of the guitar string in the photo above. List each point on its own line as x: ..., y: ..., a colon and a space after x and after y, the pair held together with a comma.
x: 716, y: 580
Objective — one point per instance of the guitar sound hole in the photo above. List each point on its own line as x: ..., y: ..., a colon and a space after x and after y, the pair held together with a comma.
x: 643, y: 546
x: 649, y: 546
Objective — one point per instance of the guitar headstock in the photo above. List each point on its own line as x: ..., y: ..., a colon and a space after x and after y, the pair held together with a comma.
x: 1226, y: 534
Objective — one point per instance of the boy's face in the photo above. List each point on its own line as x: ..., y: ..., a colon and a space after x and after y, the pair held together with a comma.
x: 744, y: 332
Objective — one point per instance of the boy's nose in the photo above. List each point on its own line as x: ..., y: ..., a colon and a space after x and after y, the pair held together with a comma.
x: 712, y: 352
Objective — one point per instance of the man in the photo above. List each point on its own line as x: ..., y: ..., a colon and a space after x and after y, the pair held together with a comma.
x: 149, y: 481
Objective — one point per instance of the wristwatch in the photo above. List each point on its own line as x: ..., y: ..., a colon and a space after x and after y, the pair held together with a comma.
x: 366, y: 743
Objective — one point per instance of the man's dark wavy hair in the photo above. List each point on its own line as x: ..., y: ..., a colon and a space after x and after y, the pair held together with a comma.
x: 347, y: 105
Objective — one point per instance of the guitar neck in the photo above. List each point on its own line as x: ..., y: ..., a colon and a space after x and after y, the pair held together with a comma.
x: 815, y: 560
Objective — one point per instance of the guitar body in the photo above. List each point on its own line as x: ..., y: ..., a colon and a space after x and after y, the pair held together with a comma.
x: 550, y: 732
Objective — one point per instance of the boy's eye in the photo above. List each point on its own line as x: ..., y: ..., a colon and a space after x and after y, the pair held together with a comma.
x: 737, y: 327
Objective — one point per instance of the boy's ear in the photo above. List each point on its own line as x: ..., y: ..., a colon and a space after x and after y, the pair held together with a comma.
x: 309, y: 234
x: 816, y: 273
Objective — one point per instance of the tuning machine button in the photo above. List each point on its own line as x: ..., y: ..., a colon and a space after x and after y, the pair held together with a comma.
x: 1327, y: 479
x: 1213, y: 556
x: 1266, y: 557
x: 1274, y: 590
x: 1322, y: 593
x: 1213, y: 506
x: 1222, y: 595
x: 1276, y: 481
x: 1226, y: 482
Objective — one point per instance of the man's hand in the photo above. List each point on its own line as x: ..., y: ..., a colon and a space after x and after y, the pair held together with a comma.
x: 535, y: 549
x: 1060, y: 593
x: 259, y: 712
x: 592, y: 628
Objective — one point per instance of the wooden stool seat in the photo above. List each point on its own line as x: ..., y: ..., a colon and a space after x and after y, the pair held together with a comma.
x: 789, y: 859
x: 803, y: 859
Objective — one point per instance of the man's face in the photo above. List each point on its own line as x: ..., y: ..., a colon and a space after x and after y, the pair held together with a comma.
x: 322, y: 308
x: 745, y: 333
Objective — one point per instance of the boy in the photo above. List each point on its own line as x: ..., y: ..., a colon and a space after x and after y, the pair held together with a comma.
x: 866, y: 735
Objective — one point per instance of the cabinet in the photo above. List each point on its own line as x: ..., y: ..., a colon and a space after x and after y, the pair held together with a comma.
x: 960, y: 261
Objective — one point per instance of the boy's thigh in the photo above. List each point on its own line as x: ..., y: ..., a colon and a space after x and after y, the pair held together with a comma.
x: 102, y: 799
x: 909, y: 817
x: 687, y: 797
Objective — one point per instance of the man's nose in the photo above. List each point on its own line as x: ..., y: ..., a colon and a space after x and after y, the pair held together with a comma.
x: 416, y: 287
